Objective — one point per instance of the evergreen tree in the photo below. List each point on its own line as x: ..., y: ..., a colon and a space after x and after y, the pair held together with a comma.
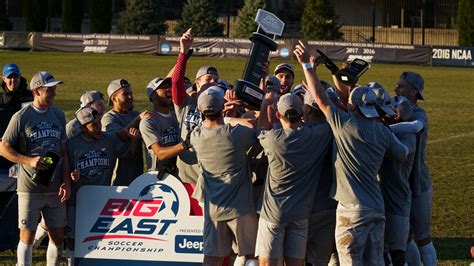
x: 201, y: 15
x: 72, y: 15
x: 142, y: 17
x: 245, y: 23
x: 35, y: 13
x: 100, y: 16
x: 466, y: 22
x: 4, y: 21
x: 319, y: 21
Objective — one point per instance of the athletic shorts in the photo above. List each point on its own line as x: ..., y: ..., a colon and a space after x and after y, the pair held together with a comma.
x: 359, y: 235
x: 223, y: 237
x: 420, y: 215
x: 321, y: 243
x: 282, y: 240
x: 71, y: 221
x: 33, y: 206
x: 396, y: 232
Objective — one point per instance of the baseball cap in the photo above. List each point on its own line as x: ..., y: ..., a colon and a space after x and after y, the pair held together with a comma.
x: 289, y: 102
x: 223, y: 84
x: 366, y: 100
x: 271, y: 82
x: 116, y: 85
x: 90, y: 97
x: 332, y: 94
x: 155, y: 83
x: 86, y: 115
x: 415, y: 80
x: 284, y: 66
x: 206, y: 70
x: 9, y: 69
x: 308, y: 100
x: 383, y: 100
x: 403, y: 106
x: 298, y: 89
x: 43, y: 79
x: 211, y: 100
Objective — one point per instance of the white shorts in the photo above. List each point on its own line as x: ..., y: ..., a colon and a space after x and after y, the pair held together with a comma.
x: 33, y: 206
x: 282, y: 240
x: 396, y: 232
x: 321, y: 242
x: 359, y: 235
x: 420, y: 215
x: 223, y: 237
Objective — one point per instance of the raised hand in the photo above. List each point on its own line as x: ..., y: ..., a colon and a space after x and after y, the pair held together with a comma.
x: 186, y: 41
x: 301, y: 53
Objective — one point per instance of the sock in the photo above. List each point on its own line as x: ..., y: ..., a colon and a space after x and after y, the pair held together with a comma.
x: 53, y: 254
x: 251, y: 262
x: 239, y: 261
x: 428, y: 253
x: 69, y: 257
x: 24, y: 254
x: 413, y: 255
x: 39, y: 236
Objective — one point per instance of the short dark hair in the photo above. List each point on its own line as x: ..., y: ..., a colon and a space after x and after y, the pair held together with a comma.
x: 211, y: 115
x: 292, y: 116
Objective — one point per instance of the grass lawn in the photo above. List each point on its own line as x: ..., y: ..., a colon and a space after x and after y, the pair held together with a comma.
x: 448, y: 91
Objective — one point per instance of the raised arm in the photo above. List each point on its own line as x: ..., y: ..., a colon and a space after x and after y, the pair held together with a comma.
x: 178, y: 87
x: 314, y: 86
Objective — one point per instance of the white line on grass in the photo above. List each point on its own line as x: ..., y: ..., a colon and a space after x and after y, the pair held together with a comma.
x: 451, y: 137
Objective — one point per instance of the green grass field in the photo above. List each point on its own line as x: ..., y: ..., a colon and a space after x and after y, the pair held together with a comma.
x: 448, y: 91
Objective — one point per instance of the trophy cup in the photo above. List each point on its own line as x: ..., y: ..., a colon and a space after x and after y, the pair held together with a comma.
x: 351, y: 74
x: 247, y: 88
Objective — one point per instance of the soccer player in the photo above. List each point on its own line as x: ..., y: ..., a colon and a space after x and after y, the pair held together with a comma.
x: 93, y: 99
x: 411, y: 85
x: 286, y: 75
x: 362, y: 143
x: 294, y: 152
x: 43, y: 181
x: 230, y: 219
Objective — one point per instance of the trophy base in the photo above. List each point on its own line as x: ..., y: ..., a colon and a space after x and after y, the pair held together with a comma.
x: 250, y: 94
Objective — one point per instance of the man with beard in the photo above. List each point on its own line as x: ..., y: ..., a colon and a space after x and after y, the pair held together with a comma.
x: 124, y: 120
x: 286, y: 75
x: 93, y: 155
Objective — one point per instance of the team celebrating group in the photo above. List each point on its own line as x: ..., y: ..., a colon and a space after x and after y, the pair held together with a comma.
x: 322, y: 174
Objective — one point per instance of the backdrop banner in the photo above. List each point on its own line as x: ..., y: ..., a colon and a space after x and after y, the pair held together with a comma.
x: 453, y: 56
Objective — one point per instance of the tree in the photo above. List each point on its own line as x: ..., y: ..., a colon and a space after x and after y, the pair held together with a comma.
x: 201, y: 15
x: 35, y: 13
x: 142, y: 17
x: 72, y: 15
x: 245, y: 24
x: 100, y: 16
x: 319, y: 21
x: 4, y: 21
x: 466, y: 22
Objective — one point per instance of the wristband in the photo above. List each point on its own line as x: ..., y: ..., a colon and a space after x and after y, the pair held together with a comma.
x: 307, y: 66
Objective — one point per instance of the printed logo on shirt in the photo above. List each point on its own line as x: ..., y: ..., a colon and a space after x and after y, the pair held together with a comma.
x: 93, y: 163
x: 169, y: 136
x: 193, y: 119
x: 45, y: 134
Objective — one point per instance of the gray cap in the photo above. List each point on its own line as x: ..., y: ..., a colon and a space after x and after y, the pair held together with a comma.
x: 284, y: 66
x: 155, y: 83
x: 416, y: 81
x: 298, y: 89
x: 86, y: 115
x: 272, y: 83
x: 116, y: 85
x: 403, y: 106
x: 383, y: 100
x: 308, y: 100
x: 289, y: 102
x: 374, y: 85
x: 43, y: 79
x: 366, y: 100
x: 211, y: 100
x: 90, y: 97
x: 206, y: 70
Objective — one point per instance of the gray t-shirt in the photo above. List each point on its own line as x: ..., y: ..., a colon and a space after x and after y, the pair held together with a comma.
x: 73, y: 128
x: 34, y: 133
x: 361, y: 144
x: 420, y: 179
x: 162, y: 129
x: 127, y: 168
x: 95, y: 160
x: 188, y: 118
x: 222, y: 154
x: 394, y: 179
x: 294, y: 156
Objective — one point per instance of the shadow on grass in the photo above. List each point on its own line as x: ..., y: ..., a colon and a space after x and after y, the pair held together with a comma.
x: 457, y: 248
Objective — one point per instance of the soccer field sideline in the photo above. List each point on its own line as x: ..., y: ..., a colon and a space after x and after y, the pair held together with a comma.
x: 448, y: 92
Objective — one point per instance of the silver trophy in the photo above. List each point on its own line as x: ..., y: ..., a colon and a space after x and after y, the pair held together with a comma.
x: 247, y: 88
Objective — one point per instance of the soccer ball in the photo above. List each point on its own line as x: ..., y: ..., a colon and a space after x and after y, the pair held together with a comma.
x: 162, y: 191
